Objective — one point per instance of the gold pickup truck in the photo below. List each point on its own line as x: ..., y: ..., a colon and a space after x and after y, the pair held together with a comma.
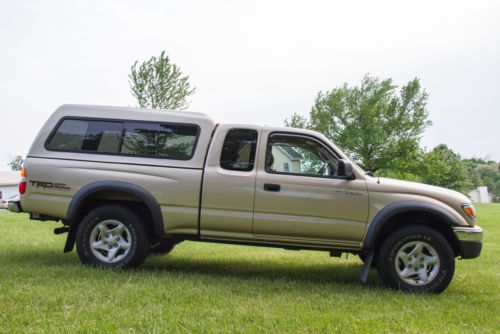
x: 129, y: 182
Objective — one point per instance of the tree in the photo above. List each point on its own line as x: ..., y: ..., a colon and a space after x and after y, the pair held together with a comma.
x: 157, y: 83
x: 16, y: 163
x: 297, y: 121
x: 442, y: 167
x: 373, y: 123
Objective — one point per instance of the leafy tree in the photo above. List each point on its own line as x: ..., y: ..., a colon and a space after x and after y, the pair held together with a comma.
x: 375, y: 124
x: 471, y: 165
x: 443, y: 167
x: 496, y: 192
x: 297, y: 121
x: 157, y: 83
x: 16, y: 163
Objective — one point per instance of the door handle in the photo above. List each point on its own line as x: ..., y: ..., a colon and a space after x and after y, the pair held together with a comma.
x: 272, y: 187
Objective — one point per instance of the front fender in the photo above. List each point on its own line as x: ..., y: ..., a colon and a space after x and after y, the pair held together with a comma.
x: 394, y: 209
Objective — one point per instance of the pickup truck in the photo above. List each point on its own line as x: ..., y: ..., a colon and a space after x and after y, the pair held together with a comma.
x: 128, y: 182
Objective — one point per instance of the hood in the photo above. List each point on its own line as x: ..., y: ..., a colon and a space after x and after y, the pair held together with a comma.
x: 450, y: 197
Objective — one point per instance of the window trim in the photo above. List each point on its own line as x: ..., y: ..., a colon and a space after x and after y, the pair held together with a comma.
x: 307, y: 136
x: 122, y: 121
x: 254, y: 167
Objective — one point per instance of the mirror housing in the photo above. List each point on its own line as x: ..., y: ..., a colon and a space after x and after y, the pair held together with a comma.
x: 345, y: 169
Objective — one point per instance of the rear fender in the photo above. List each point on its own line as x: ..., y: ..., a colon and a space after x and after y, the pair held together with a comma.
x: 86, y: 192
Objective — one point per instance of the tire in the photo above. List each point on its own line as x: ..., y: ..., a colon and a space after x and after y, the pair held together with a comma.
x: 112, y: 236
x: 163, y: 247
x: 416, y: 259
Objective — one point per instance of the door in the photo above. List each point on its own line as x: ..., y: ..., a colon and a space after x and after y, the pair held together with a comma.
x: 300, y: 196
x: 229, y: 184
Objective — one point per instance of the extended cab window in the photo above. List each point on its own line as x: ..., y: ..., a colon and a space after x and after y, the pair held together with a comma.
x: 157, y: 140
x: 299, y: 155
x: 238, y: 151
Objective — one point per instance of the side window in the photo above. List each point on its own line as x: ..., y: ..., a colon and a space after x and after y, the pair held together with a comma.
x: 290, y: 154
x: 87, y: 136
x: 159, y: 140
x: 238, y: 150
x: 155, y: 140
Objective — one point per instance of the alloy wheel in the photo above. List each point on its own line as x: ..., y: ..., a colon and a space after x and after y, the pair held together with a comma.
x: 110, y: 241
x: 417, y: 263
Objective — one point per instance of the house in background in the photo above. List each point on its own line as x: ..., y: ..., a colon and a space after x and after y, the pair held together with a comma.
x: 9, y: 182
x: 481, y: 195
x: 286, y: 159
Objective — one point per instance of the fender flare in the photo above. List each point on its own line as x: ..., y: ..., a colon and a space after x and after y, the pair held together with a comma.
x: 92, y: 188
x: 396, y: 208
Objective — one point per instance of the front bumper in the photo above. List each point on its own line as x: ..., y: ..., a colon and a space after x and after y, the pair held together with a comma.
x: 470, y: 240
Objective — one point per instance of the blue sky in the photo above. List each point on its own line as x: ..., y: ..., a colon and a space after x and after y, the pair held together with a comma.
x: 253, y: 61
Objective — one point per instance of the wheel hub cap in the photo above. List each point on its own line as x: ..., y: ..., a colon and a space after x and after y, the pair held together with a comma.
x: 417, y: 263
x: 110, y: 241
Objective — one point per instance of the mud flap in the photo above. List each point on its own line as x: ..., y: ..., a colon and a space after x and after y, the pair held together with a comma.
x: 70, y: 240
x: 363, y: 276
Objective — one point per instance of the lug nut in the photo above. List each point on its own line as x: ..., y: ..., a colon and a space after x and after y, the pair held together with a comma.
x: 110, y: 246
x: 113, y: 234
x: 117, y: 238
x: 416, y: 269
x: 421, y: 259
x: 116, y: 246
x: 107, y: 235
x: 105, y: 242
x: 410, y: 265
x: 421, y: 266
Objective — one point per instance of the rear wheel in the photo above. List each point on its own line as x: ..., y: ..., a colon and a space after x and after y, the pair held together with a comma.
x: 112, y: 236
x: 417, y: 259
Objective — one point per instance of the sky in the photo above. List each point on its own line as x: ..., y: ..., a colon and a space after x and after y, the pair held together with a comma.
x: 254, y: 61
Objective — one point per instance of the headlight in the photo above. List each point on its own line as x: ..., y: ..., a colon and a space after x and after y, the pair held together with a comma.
x: 470, y: 212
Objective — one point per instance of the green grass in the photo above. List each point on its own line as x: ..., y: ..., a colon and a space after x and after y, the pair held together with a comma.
x: 204, y: 287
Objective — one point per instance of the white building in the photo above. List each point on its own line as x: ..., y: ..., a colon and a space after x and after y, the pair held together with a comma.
x: 9, y: 182
x: 286, y: 159
x: 480, y: 195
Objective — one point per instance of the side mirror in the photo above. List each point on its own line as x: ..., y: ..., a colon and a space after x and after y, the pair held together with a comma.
x: 345, y: 169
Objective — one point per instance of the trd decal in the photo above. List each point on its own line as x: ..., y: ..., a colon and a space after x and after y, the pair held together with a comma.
x: 49, y: 185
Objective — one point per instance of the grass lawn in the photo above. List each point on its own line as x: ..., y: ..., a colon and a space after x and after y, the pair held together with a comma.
x: 204, y: 287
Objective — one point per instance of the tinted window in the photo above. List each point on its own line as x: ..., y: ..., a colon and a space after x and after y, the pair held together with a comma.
x: 238, y: 151
x: 127, y: 138
x: 87, y: 136
x: 159, y: 140
x: 290, y: 154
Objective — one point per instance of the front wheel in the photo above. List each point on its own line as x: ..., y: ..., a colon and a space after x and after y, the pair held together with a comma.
x: 112, y: 236
x: 416, y: 259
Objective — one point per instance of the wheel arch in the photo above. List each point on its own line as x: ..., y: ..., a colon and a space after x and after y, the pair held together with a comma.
x: 83, y: 199
x: 398, y: 215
